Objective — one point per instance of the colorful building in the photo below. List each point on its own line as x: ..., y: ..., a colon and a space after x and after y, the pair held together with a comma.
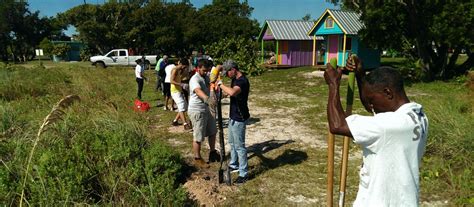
x: 340, y: 32
x: 293, y: 46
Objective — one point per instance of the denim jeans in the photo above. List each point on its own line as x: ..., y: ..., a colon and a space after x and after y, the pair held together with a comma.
x: 238, y: 151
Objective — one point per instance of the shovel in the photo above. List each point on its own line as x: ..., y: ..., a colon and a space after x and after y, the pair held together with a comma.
x: 223, y: 174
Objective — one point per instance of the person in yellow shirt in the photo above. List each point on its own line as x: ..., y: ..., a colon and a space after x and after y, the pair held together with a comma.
x: 177, y: 92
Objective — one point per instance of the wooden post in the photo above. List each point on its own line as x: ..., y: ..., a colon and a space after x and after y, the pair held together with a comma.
x: 330, y: 176
x: 277, y: 53
x: 263, y: 52
x: 314, y: 51
x: 345, y: 149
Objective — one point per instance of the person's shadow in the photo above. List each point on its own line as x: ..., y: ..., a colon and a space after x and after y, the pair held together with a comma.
x: 289, y: 156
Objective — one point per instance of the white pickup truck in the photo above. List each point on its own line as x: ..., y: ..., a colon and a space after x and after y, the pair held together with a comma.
x: 120, y: 57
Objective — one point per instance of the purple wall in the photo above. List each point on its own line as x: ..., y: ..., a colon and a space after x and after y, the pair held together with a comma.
x: 299, y: 53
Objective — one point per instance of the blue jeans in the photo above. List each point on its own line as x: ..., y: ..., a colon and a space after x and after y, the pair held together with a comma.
x: 238, y: 151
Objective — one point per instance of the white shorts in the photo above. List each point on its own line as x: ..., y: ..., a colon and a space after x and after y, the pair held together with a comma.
x: 180, y: 101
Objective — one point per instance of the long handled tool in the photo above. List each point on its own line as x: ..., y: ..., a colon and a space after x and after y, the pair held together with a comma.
x: 330, y: 176
x: 223, y: 175
x: 345, y: 149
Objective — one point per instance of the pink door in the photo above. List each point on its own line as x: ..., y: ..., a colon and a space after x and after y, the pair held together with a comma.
x: 333, y: 45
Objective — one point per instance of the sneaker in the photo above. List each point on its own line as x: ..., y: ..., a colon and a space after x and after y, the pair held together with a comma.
x: 214, y: 156
x: 199, y: 162
x: 241, y: 180
x: 175, y: 123
x: 233, y: 169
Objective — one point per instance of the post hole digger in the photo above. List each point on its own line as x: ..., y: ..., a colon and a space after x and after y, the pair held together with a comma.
x: 345, y: 153
x: 223, y: 174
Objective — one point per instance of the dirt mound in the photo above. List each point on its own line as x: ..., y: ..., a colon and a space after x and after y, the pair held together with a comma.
x: 204, y: 188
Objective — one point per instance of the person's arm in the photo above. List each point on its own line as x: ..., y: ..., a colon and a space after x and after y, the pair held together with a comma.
x: 173, y: 77
x: 234, y: 91
x: 200, y: 93
x: 336, y: 115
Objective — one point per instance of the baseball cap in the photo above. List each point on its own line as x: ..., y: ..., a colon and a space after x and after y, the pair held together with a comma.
x: 165, y: 56
x: 228, y: 65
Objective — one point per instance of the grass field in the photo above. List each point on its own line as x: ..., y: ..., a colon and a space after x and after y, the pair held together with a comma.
x: 291, y: 174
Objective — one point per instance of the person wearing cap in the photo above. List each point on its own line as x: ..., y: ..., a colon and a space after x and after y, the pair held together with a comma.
x: 139, y: 77
x: 203, y: 123
x: 238, y: 116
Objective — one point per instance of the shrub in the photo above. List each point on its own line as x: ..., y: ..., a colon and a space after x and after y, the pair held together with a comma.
x: 47, y: 46
x: 85, y: 53
x: 60, y: 50
x: 411, y: 71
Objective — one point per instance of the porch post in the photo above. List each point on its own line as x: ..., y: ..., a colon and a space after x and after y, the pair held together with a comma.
x: 314, y: 50
x: 344, y: 51
x: 277, y: 53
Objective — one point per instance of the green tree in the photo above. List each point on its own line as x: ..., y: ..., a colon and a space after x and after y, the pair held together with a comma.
x: 432, y: 27
x: 103, y: 26
x: 242, y: 50
x: 21, y: 30
x: 226, y: 18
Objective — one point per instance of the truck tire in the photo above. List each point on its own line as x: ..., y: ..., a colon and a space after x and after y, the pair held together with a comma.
x: 99, y: 65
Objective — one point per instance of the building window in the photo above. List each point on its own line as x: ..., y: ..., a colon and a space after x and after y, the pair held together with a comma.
x: 348, y: 43
x: 329, y: 22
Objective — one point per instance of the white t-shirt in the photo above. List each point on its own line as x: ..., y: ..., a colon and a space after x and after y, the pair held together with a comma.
x: 393, y: 144
x: 168, y: 70
x: 195, y: 103
x: 138, y: 71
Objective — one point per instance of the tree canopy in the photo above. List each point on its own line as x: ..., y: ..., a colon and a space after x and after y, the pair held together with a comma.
x: 426, y: 30
x: 160, y: 27
x: 148, y: 26
x: 22, y: 30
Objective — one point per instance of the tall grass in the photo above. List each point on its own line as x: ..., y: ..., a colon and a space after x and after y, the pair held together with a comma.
x: 449, y: 153
x: 99, y: 153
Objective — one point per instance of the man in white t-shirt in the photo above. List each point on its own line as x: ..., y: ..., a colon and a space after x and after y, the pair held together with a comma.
x: 204, y: 124
x: 393, y: 140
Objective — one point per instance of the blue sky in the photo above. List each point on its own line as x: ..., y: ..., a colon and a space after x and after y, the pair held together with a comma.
x: 263, y: 9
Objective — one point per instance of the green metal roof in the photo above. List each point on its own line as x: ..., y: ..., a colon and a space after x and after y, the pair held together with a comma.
x: 288, y: 29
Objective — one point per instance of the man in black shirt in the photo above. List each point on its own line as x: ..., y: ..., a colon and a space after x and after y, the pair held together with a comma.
x: 239, y: 114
